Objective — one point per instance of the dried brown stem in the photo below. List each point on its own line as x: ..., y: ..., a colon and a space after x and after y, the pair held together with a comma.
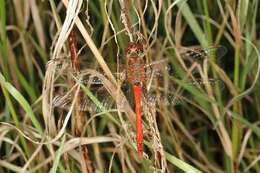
x: 73, y: 51
x: 79, y: 116
x: 125, y: 4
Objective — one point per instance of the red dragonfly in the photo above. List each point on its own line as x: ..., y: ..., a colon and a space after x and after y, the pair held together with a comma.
x: 136, y: 77
x: 137, y: 73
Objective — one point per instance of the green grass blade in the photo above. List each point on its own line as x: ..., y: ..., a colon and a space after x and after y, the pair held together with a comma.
x: 57, y: 156
x: 181, y: 164
x: 22, y: 101
x: 194, y: 25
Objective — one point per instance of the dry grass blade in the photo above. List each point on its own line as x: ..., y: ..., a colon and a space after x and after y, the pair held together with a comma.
x: 75, y: 142
x: 38, y: 23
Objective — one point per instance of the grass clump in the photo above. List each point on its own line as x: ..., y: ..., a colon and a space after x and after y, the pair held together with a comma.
x: 51, y: 48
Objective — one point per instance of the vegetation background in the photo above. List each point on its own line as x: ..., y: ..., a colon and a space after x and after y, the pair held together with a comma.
x: 215, y: 129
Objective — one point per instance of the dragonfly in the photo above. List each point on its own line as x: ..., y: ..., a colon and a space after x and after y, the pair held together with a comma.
x: 136, y: 74
x: 136, y: 78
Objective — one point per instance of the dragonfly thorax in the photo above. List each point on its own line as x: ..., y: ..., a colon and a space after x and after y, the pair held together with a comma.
x: 135, y: 70
x: 135, y: 64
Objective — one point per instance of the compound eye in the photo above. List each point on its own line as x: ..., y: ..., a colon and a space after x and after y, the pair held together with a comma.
x: 141, y: 53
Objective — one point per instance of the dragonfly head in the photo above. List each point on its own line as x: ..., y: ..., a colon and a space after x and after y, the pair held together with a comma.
x: 134, y: 50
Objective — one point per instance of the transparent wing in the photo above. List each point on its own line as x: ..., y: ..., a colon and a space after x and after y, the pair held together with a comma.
x: 190, y: 54
x: 64, y: 101
x: 199, y: 54
x: 173, y: 98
